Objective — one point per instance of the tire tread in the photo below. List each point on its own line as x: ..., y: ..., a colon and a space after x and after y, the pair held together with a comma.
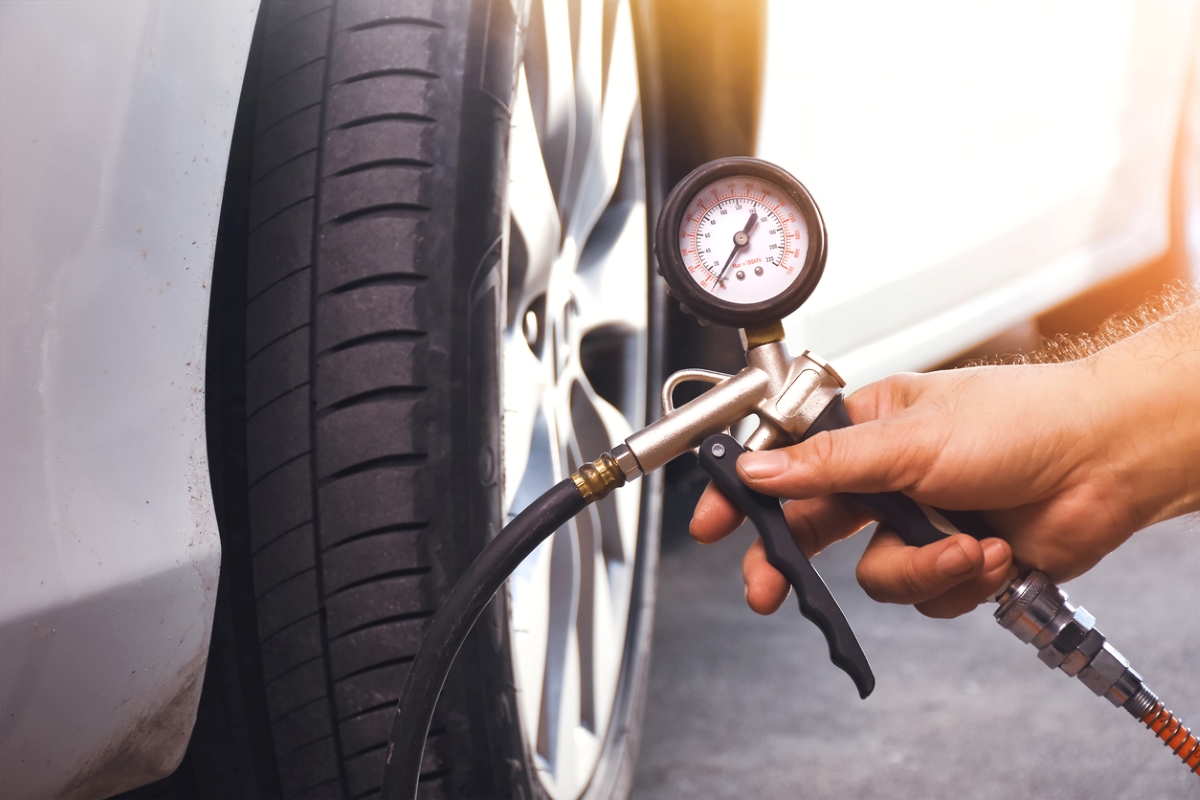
x: 300, y: 89
x: 344, y: 435
x: 282, y: 308
x: 279, y: 248
x: 288, y: 139
x: 277, y: 434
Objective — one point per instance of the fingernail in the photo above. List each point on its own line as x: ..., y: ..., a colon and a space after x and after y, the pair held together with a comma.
x: 767, y: 464
x: 953, y: 561
x: 992, y: 549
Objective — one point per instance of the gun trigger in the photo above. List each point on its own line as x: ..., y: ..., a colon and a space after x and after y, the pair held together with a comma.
x: 718, y: 457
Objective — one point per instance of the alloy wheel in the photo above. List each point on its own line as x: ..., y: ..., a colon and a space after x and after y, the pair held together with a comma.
x: 574, y: 366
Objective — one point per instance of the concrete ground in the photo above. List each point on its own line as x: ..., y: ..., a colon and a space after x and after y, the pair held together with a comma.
x: 749, y: 706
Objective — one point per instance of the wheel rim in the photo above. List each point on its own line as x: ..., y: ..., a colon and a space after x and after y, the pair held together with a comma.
x: 574, y: 368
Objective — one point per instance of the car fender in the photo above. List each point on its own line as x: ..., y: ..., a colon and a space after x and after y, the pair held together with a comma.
x: 114, y: 139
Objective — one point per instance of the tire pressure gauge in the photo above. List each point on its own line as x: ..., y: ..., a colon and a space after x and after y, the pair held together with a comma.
x: 740, y: 242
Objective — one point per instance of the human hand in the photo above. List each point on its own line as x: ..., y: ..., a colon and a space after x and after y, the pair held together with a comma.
x: 1066, y: 461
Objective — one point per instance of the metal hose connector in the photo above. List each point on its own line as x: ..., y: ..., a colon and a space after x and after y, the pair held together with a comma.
x: 597, y: 478
x: 1037, y: 613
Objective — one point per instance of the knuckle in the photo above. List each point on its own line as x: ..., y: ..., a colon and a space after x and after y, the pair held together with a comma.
x: 806, y: 536
x: 823, y: 448
x: 912, y: 583
x: 911, y: 461
x: 898, y: 391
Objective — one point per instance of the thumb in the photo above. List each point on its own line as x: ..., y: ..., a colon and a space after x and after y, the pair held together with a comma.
x: 882, y: 455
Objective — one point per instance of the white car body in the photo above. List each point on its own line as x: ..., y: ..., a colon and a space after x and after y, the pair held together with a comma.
x: 975, y: 165
x: 114, y: 140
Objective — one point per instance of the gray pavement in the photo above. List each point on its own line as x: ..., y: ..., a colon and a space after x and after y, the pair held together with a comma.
x: 746, y: 706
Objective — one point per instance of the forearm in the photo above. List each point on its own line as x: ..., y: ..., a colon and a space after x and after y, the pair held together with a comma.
x: 1145, y: 391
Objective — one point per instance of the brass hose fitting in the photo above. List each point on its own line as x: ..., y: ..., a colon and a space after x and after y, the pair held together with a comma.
x: 597, y: 478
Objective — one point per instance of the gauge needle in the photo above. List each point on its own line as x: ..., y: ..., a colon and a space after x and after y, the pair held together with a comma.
x: 740, y: 240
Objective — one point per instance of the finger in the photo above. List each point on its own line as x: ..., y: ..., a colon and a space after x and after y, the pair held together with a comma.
x: 766, y: 588
x: 997, y: 560
x: 893, y: 572
x: 814, y: 524
x: 876, y: 454
x: 882, y: 455
x: 818, y: 522
x: 715, y: 517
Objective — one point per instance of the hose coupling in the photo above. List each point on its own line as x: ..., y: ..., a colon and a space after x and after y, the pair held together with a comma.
x: 1066, y: 638
x: 1037, y: 612
x: 597, y: 478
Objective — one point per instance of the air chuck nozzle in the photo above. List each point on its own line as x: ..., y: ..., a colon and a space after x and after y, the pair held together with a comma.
x: 1037, y: 613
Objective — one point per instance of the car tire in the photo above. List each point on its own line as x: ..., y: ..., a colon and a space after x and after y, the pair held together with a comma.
x: 392, y: 297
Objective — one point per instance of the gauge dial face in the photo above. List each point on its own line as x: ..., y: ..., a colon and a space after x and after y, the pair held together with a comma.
x: 743, y: 240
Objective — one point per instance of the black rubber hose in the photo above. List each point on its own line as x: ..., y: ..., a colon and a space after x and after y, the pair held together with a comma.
x: 453, y: 622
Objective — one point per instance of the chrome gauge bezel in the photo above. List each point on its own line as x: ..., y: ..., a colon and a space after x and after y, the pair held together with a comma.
x: 700, y: 302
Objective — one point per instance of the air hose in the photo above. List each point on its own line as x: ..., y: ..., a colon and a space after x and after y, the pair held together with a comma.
x: 1031, y: 607
x: 467, y: 600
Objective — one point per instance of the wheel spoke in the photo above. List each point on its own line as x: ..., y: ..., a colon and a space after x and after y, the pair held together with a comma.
x: 596, y: 420
x: 529, y: 585
x: 594, y: 436
x: 601, y: 576
x: 610, y: 610
x: 614, y: 260
x: 586, y: 525
x: 529, y: 468
x: 531, y: 203
x: 607, y: 129
x: 550, y: 65
x: 589, y: 104
x: 563, y: 605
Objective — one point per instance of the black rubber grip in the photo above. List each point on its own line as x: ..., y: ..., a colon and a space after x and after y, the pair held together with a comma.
x: 916, y: 523
x: 718, y: 457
